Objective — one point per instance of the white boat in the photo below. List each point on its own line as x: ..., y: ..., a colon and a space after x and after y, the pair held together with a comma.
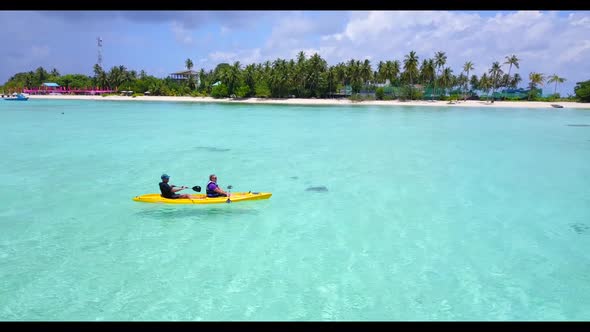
x: 17, y: 96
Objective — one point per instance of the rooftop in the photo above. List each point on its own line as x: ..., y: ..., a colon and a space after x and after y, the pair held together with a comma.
x: 186, y: 72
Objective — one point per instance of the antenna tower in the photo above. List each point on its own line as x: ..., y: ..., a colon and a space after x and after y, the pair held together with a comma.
x: 99, y: 41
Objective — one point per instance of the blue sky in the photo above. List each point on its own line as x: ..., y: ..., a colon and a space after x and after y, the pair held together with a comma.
x: 160, y: 41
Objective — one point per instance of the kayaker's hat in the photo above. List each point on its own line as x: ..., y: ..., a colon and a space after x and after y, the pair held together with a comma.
x: 165, y: 176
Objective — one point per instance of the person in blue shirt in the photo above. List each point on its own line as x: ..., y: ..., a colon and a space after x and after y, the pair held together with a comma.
x: 213, y: 189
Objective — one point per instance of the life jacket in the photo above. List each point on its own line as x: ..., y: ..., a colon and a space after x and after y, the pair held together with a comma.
x: 211, y: 193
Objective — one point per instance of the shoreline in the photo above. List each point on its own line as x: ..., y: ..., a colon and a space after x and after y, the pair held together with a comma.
x: 327, y: 102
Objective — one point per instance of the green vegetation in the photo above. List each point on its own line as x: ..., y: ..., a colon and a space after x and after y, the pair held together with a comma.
x: 535, y: 79
x: 220, y: 91
x: 380, y: 93
x: 311, y: 77
x: 582, y: 91
x: 555, y: 79
x: 31, y: 78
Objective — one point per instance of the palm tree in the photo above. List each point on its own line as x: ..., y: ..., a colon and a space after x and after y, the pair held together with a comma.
x: 117, y: 76
x: 266, y: 67
x: 100, y: 76
x: 446, y: 79
x: 504, y: 81
x: 474, y: 82
x: 515, y: 80
x: 54, y: 72
x: 431, y: 68
x: 395, y: 70
x: 188, y: 64
x: 380, y: 77
x: 132, y: 74
x: 300, y: 57
x: 232, y: 77
x: 202, y: 79
x: 353, y: 72
x: 556, y: 79
x: 366, y: 71
x: 300, y: 74
x: 467, y: 67
x: 30, y: 79
x: 317, y: 66
x: 250, y: 77
x: 427, y: 71
x: 440, y: 59
x: 341, y: 73
x: 97, y: 69
x: 103, y: 80
x: 495, y: 73
x: 461, y: 82
x: 411, y: 68
x: 41, y: 74
x: 332, y: 80
x: 535, y: 78
x: 391, y: 71
x: 279, y: 78
x: 485, y: 83
x: 512, y: 60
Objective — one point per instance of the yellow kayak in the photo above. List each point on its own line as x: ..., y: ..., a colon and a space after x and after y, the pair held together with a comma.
x: 202, y: 198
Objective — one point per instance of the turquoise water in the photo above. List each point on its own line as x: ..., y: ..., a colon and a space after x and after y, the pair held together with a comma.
x: 430, y: 214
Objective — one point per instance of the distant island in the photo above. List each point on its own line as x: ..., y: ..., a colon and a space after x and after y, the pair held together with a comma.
x: 311, y: 77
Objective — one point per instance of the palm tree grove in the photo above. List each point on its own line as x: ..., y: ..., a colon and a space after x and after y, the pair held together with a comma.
x: 410, y: 78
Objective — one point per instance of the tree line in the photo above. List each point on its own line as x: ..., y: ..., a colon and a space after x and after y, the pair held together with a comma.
x: 312, y: 77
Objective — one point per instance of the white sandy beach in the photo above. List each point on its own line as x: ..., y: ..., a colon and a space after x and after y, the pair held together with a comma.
x: 297, y: 101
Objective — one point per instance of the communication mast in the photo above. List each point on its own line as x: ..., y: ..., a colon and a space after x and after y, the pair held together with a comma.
x: 99, y: 41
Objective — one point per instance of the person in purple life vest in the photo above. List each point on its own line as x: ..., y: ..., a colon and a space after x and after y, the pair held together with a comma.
x: 213, y: 189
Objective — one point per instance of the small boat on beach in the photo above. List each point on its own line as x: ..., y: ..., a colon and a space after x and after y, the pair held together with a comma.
x: 16, y: 96
x: 556, y: 106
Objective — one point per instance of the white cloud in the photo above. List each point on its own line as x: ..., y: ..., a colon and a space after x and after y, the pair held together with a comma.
x: 297, y: 30
x: 584, y: 21
x: 222, y: 56
x: 244, y: 56
x: 576, y: 53
x: 544, y: 41
x: 251, y: 56
x: 289, y: 32
x: 374, y: 24
x: 181, y: 33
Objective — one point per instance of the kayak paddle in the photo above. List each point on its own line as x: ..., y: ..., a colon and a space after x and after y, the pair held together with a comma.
x: 195, y: 188
x: 229, y: 193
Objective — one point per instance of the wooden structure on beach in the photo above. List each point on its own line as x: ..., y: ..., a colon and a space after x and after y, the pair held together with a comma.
x: 184, y: 75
